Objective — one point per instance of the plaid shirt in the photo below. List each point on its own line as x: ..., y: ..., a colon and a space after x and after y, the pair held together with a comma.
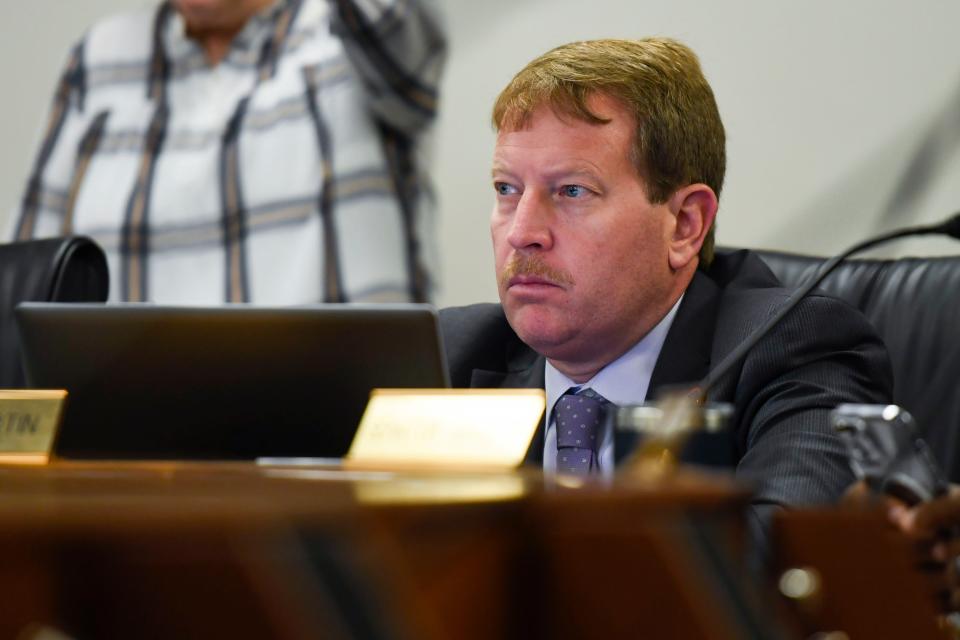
x: 285, y: 174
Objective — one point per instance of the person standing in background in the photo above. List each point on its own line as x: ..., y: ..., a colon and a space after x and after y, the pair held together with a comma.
x: 259, y: 151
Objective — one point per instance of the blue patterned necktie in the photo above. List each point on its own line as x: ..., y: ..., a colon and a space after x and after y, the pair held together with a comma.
x: 579, y: 416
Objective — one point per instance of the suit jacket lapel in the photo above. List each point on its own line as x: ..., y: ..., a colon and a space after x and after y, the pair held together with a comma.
x: 685, y: 356
x: 529, y: 377
x: 524, y: 370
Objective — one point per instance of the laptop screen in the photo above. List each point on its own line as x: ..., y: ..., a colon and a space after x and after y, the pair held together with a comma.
x: 230, y: 382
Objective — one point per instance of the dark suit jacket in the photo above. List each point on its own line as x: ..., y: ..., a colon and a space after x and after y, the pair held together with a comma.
x: 823, y: 353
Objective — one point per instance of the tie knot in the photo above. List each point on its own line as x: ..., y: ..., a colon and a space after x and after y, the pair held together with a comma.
x: 587, y: 392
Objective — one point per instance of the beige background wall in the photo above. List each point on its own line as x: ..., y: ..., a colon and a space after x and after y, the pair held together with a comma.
x: 842, y: 117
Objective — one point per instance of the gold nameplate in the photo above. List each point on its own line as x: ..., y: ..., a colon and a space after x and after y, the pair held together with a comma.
x: 28, y: 424
x: 447, y: 428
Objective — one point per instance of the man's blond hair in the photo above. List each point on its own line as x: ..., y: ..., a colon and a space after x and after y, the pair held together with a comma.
x: 679, y: 137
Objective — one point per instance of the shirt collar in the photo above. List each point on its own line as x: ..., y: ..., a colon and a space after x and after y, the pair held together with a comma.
x: 625, y: 380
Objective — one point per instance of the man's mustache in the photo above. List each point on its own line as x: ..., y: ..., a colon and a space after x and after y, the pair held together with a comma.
x: 525, y: 265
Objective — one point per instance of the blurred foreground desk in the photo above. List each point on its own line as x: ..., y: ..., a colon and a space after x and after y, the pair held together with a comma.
x: 171, y: 550
x: 101, y: 550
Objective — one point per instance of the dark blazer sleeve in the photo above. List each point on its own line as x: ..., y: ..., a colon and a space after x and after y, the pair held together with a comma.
x: 823, y: 353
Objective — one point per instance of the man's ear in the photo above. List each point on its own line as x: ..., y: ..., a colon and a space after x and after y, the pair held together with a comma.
x: 694, y: 208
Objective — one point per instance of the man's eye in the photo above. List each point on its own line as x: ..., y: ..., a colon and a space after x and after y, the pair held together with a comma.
x: 573, y: 191
x: 504, y: 189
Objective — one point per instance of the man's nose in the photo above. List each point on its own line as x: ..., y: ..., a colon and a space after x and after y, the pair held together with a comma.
x: 531, y: 227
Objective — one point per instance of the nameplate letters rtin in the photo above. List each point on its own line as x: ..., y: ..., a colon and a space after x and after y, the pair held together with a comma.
x: 29, y: 420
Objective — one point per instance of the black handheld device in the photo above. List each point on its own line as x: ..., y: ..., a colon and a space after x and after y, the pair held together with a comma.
x: 887, y: 453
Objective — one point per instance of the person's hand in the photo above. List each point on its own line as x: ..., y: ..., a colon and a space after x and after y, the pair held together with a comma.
x: 935, y: 528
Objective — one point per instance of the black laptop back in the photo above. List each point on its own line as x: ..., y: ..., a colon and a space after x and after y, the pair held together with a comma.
x: 232, y: 382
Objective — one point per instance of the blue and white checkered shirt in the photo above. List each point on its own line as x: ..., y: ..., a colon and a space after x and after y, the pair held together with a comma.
x: 285, y: 174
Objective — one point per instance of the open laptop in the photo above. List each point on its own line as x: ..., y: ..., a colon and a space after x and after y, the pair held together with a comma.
x: 231, y: 382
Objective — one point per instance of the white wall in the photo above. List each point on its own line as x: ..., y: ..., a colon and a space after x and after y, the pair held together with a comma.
x: 842, y: 117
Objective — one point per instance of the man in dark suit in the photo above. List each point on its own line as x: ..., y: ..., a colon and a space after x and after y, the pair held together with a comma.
x: 608, y: 165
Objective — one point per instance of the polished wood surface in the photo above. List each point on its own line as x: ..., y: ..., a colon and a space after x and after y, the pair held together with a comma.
x: 192, y: 549
x: 170, y: 549
x: 871, y: 584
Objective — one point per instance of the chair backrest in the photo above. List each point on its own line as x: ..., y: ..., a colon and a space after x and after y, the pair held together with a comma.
x: 914, y: 304
x: 70, y: 269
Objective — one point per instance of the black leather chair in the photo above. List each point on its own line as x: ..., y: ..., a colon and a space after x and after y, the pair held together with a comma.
x: 71, y: 269
x: 914, y: 303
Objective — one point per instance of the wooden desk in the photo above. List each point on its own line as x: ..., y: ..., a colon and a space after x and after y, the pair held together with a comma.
x: 869, y: 583
x: 191, y: 550
x: 214, y: 550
